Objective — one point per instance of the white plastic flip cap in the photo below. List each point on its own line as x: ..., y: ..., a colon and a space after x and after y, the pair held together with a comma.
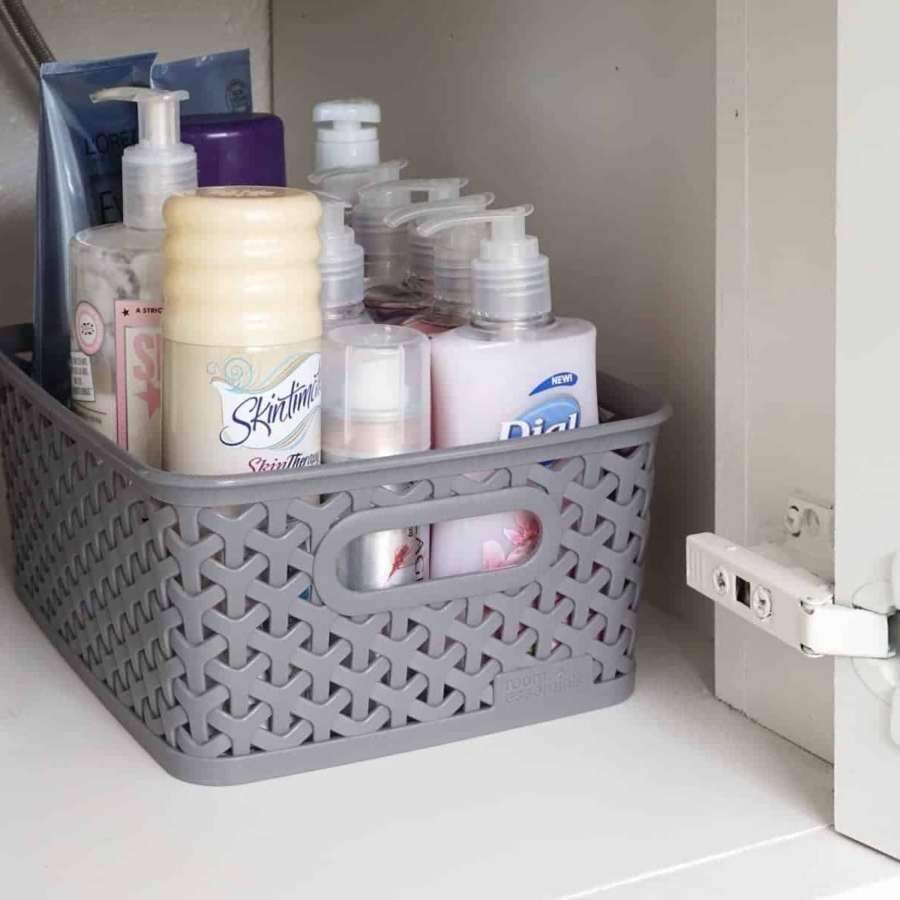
x: 346, y: 181
x: 159, y: 165
x: 350, y: 141
x: 341, y: 259
x: 510, y: 276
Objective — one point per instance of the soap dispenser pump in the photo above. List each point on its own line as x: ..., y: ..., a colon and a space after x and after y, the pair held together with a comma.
x: 116, y: 285
x: 345, y: 182
x: 532, y: 373
x: 341, y: 265
x: 399, y: 275
x: 351, y: 139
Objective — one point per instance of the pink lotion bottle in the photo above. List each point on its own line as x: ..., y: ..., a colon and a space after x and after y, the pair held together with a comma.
x: 514, y: 371
x: 393, y: 293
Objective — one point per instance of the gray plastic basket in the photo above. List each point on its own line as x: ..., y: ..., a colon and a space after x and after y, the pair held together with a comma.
x: 226, y: 645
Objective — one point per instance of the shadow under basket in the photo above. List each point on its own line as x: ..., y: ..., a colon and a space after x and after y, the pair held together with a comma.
x: 207, y: 615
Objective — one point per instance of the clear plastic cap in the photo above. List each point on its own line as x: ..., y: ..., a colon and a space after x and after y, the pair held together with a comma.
x: 159, y: 165
x: 510, y: 276
x: 377, y: 400
x: 341, y: 260
x: 377, y: 201
x: 421, y: 248
x: 346, y: 181
x: 457, y: 242
x: 350, y: 141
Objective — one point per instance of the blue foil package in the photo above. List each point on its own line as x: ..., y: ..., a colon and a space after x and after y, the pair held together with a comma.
x: 79, y: 185
x: 217, y: 82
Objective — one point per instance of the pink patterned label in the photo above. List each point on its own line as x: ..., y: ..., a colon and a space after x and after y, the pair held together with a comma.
x: 138, y: 377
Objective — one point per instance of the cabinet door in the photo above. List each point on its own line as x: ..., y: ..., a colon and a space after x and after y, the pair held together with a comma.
x: 808, y: 356
x: 867, y: 427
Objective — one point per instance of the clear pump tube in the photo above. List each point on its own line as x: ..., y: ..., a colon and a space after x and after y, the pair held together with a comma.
x: 510, y: 276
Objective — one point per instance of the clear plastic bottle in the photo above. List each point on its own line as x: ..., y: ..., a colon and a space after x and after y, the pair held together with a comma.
x: 532, y: 373
x: 341, y: 265
x: 457, y: 242
x: 376, y: 403
x: 399, y: 285
x: 116, y: 275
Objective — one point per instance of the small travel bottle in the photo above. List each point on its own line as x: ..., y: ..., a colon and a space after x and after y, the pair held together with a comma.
x: 341, y: 268
x: 116, y: 277
x: 345, y: 181
x: 456, y: 243
x: 532, y: 374
x: 377, y: 403
x: 389, y: 297
x: 242, y: 329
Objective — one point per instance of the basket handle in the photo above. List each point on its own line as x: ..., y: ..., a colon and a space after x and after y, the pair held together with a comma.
x: 348, y: 602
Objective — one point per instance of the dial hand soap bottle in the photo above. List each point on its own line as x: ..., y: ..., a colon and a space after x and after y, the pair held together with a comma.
x: 117, y: 271
x: 531, y: 373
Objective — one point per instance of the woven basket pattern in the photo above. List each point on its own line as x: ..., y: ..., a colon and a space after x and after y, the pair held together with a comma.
x: 207, y: 623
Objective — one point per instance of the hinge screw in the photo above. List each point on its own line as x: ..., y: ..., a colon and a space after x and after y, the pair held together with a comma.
x: 720, y: 580
x: 793, y: 521
x: 762, y: 602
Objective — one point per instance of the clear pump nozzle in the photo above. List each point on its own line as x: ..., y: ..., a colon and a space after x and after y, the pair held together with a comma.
x: 376, y: 201
x: 510, y: 276
x: 159, y: 165
x: 350, y: 141
x: 421, y: 248
x: 346, y: 181
x: 341, y: 258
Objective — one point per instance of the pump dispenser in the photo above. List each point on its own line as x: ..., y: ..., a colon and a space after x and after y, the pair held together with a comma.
x: 341, y: 266
x: 390, y: 296
x: 351, y: 140
x: 117, y: 298
x: 532, y: 373
x: 420, y: 274
x: 456, y: 242
x: 345, y: 181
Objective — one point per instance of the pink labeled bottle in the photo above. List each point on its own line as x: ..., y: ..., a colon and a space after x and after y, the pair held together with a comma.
x: 393, y: 292
x: 376, y: 403
x: 531, y: 373
x: 457, y: 242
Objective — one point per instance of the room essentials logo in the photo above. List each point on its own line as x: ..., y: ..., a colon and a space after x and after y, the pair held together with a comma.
x: 514, y: 690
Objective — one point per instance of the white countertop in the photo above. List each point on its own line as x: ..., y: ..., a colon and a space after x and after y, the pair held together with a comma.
x: 668, y: 795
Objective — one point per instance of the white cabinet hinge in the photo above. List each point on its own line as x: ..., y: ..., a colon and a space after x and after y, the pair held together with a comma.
x: 765, y: 586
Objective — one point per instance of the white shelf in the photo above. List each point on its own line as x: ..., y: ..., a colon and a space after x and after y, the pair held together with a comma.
x: 671, y: 787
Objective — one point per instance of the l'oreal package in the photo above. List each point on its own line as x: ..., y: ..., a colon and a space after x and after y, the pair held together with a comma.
x: 217, y: 82
x: 79, y: 182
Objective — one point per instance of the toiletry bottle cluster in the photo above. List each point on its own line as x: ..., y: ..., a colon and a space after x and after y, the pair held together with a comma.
x: 435, y: 309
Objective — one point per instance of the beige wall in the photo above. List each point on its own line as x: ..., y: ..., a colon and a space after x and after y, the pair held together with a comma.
x: 601, y: 113
x: 84, y: 29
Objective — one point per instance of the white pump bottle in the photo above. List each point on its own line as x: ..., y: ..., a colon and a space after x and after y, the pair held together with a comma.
x: 532, y: 374
x: 117, y: 298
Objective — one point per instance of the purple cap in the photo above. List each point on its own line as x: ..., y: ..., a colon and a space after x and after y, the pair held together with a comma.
x: 236, y: 148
